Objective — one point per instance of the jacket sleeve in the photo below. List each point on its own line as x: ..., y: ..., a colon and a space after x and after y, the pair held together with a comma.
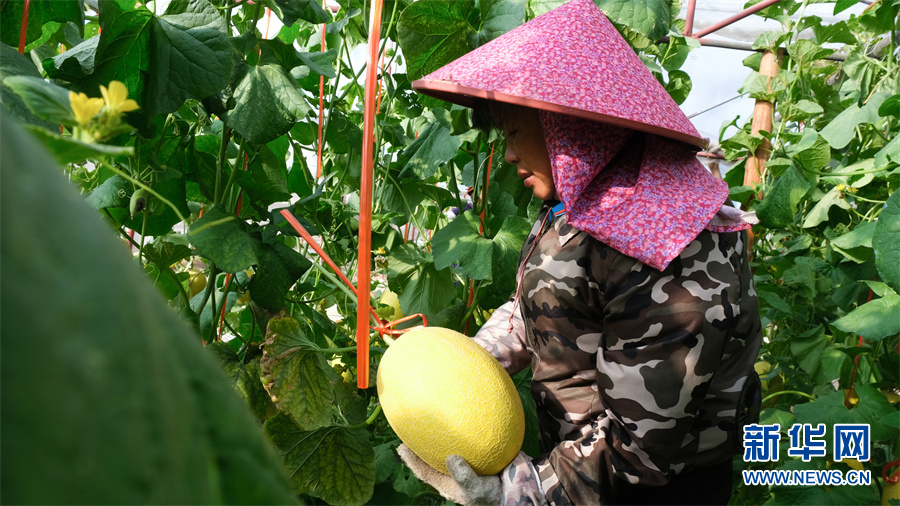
x: 503, y: 336
x: 665, y: 334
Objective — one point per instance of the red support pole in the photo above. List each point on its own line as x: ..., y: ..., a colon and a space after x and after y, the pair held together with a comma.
x: 737, y: 17
x: 689, y: 19
x: 365, y: 201
x: 22, y: 34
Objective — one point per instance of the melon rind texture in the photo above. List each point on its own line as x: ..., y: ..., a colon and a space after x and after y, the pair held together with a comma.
x: 443, y: 394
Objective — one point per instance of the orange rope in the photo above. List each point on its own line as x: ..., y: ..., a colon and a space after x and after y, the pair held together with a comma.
x: 484, y: 195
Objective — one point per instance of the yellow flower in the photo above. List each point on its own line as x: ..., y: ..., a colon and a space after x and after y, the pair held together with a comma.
x: 84, y: 107
x: 116, y: 97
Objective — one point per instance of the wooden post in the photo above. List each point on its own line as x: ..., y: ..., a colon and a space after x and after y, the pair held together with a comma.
x: 763, y: 113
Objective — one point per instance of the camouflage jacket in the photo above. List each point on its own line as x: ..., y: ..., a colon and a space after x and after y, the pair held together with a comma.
x: 638, y: 374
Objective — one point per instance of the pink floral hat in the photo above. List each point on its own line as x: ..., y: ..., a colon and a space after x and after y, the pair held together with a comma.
x: 570, y: 60
x: 646, y: 195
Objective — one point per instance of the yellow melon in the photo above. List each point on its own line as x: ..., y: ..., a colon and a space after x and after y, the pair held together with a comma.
x: 443, y: 394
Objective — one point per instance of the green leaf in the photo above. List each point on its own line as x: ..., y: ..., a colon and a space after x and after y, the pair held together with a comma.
x: 819, y: 213
x: 812, y: 152
x: 889, y: 153
x: 807, y: 349
x: 679, y: 85
x: 244, y: 378
x: 123, y: 53
x: 289, y: 11
x: 650, y: 18
x: 421, y: 287
x: 873, y: 320
x: 842, y: 129
x: 165, y: 252
x: 775, y: 301
x: 320, y: 63
x: 267, y: 104
x: 801, y: 110
x: 14, y: 64
x: 499, y: 17
x: 886, y: 242
x: 856, y: 244
x: 829, y: 409
x: 69, y: 150
x: 507, y: 246
x: 335, y: 464
x: 432, y: 33
x: 190, y: 56
x: 114, y: 192
x: 460, y: 243
x: 297, y: 376
x: 279, y: 268
x: 805, y: 52
x: 433, y: 147
x: 74, y: 64
x: 45, y: 100
x: 221, y: 238
x: 265, y: 180
x: 148, y: 415
x: 778, y: 207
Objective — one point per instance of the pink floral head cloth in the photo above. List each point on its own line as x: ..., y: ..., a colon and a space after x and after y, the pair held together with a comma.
x: 654, y: 197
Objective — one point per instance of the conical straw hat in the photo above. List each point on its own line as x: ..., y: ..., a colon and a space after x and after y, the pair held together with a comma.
x: 570, y: 60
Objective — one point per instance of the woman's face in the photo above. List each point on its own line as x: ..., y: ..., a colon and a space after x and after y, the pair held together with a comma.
x: 526, y: 147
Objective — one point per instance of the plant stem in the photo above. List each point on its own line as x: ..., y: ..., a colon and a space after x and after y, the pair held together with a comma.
x: 220, y: 164
x: 782, y: 392
x: 369, y: 421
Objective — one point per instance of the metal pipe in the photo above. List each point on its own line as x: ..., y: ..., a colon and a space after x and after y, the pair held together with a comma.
x: 737, y: 17
x: 746, y: 46
x: 689, y: 19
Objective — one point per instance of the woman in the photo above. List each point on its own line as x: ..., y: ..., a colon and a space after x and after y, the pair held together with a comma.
x: 634, y: 303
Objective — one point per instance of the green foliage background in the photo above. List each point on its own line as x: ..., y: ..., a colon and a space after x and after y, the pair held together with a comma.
x: 228, y: 125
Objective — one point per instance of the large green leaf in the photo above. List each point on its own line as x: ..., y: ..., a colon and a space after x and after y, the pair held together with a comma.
x: 123, y: 52
x: 886, y: 242
x: 75, y: 63
x: 499, y: 17
x: 460, y: 243
x: 107, y: 397
x: 296, y: 375
x: 14, y: 64
x: 779, y: 206
x: 222, y: 238
x: 69, y: 150
x: 190, y: 56
x: 650, y: 18
x: 433, y: 147
x: 335, y: 464
x: 421, y: 287
x: 289, y: 11
x: 432, y: 33
x: 267, y: 104
x: 279, y: 268
x: 873, y: 320
x: 841, y: 130
x: 46, y: 100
